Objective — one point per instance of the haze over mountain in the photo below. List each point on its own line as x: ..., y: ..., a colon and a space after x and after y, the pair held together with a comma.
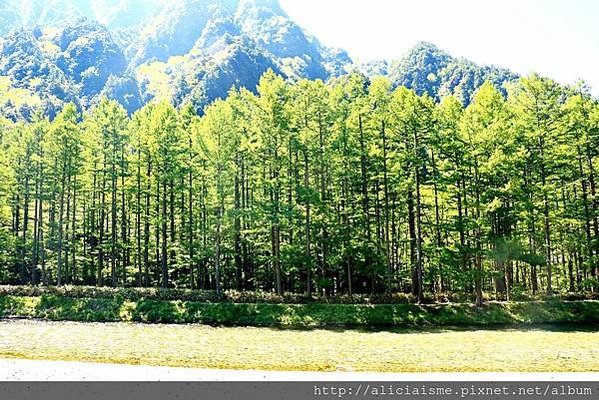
x: 56, y: 51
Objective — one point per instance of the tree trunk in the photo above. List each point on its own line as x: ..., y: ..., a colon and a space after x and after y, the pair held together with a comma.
x: 164, y: 258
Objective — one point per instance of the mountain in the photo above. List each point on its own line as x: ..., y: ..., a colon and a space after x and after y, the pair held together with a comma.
x: 114, y: 14
x: 57, y: 51
x: 184, y: 50
x: 56, y: 65
x: 427, y: 69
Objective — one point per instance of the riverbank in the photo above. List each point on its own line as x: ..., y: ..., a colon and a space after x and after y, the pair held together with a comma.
x: 58, y: 308
x: 70, y: 371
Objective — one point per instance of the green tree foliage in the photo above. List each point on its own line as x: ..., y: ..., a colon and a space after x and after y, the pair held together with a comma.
x: 351, y: 187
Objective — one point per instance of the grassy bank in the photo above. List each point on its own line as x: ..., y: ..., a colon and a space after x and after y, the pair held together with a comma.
x: 258, y: 296
x: 298, y: 315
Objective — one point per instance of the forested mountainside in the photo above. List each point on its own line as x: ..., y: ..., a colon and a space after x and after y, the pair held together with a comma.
x: 55, y: 52
x: 427, y: 69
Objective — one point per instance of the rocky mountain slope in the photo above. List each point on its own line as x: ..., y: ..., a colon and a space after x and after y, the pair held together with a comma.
x: 56, y: 51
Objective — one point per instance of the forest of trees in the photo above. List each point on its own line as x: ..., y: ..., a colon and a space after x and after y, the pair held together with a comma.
x: 343, y: 188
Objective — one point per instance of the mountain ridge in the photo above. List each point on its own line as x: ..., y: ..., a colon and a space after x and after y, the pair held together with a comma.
x: 187, y: 51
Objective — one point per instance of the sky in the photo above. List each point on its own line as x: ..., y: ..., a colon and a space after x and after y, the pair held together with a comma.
x: 556, y: 38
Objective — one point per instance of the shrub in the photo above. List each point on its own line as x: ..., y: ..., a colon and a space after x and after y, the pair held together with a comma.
x: 298, y: 315
x: 255, y: 297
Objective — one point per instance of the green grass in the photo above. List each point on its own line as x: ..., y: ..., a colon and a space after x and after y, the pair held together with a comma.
x: 529, y: 349
x: 296, y: 315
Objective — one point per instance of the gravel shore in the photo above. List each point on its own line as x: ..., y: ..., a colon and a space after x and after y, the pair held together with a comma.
x: 35, y: 370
